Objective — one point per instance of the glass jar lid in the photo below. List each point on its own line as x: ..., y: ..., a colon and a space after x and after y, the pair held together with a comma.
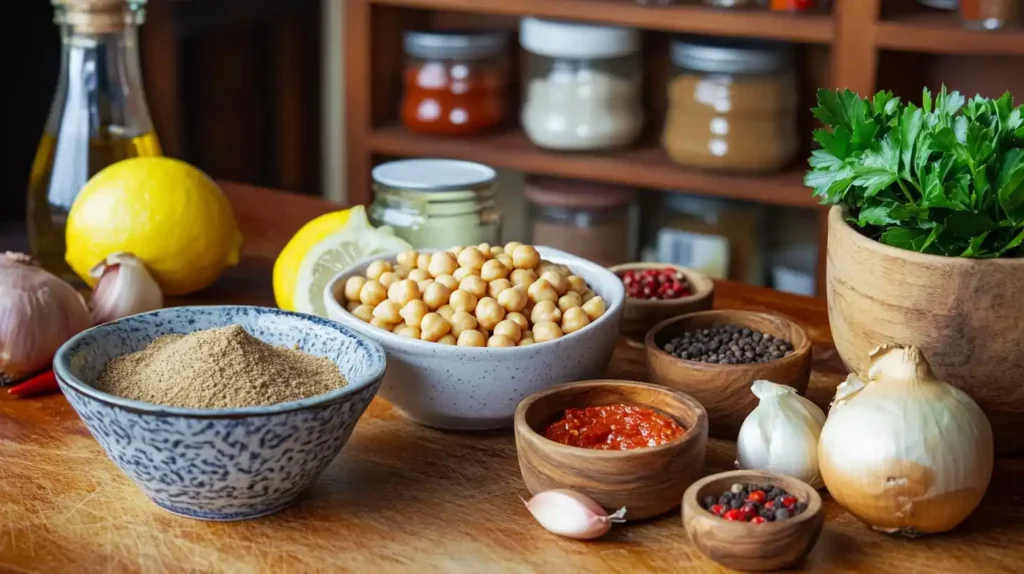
x: 454, y: 45
x: 430, y: 175
x: 572, y: 194
x: 731, y: 55
x: 557, y: 39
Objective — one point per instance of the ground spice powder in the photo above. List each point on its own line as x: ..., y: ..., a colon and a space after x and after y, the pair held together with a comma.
x: 218, y: 369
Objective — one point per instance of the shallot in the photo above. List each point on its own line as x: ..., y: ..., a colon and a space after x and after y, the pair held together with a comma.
x: 38, y: 313
x: 571, y: 514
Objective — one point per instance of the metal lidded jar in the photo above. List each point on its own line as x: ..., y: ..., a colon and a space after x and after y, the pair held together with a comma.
x: 437, y: 203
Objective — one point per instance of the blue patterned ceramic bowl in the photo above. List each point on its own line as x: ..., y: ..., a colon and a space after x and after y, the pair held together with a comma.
x: 228, y: 464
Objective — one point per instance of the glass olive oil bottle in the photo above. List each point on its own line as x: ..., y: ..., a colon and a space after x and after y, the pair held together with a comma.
x: 99, y: 116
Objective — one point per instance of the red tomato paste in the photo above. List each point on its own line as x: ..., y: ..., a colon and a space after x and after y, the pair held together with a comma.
x: 614, y: 427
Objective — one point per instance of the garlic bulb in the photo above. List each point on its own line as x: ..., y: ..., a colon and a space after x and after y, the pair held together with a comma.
x: 38, y: 313
x: 571, y: 514
x: 781, y: 434
x: 124, y: 288
x: 905, y: 452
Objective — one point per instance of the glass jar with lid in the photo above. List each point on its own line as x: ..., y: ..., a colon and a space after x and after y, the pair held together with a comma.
x: 583, y: 85
x: 454, y: 83
x: 436, y: 203
x: 594, y: 221
x: 732, y: 105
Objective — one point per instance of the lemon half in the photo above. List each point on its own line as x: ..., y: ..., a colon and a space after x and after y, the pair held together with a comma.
x: 286, y: 267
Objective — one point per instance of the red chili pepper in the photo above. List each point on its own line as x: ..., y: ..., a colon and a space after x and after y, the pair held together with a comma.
x: 37, y: 385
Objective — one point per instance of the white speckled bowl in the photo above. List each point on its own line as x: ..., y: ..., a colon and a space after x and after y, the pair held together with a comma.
x: 478, y: 388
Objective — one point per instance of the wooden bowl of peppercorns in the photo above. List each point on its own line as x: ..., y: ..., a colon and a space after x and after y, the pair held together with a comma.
x: 714, y: 356
x: 657, y: 291
x: 753, y: 520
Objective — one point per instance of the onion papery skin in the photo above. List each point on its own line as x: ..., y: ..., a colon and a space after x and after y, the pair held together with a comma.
x: 909, y: 456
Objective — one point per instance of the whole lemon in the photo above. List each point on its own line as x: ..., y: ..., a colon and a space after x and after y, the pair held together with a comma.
x: 286, y: 267
x: 165, y: 211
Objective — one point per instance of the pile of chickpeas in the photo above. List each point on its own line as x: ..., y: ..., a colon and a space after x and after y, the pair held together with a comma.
x: 477, y: 296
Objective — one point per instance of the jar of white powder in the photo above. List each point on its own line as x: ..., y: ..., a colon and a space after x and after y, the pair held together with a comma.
x: 583, y: 85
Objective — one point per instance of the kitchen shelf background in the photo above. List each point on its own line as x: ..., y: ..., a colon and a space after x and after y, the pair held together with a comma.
x: 859, y: 45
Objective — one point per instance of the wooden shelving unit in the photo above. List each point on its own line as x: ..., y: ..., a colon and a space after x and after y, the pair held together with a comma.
x: 854, y: 33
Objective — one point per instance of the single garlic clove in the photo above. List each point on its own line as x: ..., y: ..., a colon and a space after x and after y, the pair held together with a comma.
x: 124, y: 287
x: 571, y: 514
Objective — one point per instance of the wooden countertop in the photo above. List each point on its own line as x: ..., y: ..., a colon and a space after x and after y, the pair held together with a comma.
x: 404, y: 498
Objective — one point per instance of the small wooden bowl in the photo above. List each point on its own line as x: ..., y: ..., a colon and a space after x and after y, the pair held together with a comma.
x: 724, y: 390
x: 752, y: 547
x: 639, y: 315
x: 647, y: 481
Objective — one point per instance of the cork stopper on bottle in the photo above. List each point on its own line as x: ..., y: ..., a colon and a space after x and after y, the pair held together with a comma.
x: 99, y: 16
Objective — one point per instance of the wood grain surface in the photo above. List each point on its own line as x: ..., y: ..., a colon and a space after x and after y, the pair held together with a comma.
x: 404, y: 498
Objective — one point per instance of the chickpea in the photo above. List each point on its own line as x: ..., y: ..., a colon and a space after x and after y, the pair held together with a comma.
x: 493, y: 270
x: 377, y: 268
x: 509, y: 329
x: 352, y: 286
x: 471, y: 258
x: 462, y: 300
x: 446, y: 311
x: 436, y: 295
x: 500, y: 341
x: 494, y: 288
x: 403, y: 291
x: 513, y: 299
x: 506, y: 260
x: 448, y: 339
x: 442, y: 263
x: 463, y: 272
x: 388, y: 278
x: 413, y: 312
x: 474, y: 285
x: 364, y: 313
x: 433, y: 327
x: 448, y: 281
x: 352, y: 306
x: 489, y: 313
x: 418, y: 275
x: 455, y: 250
x: 563, y: 269
x: 497, y: 250
x: 541, y: 290
x: 510, y: 247
x: 462, y: 321
x: 472, y: 338
x: 423, y: 261
x: 557, y: 280
x: 424, y: 284
x: 545, y: 311
x: 485, y: 248
x: 372, y: 293
x: 527, y: 334
x: 526, y: 341
x: 407, y: 259
x: 388, y: 311
x: 546, y: 331
x: 577, y: 284
x: 569, y: 300
x: 404, y: 330
x: 588, y: 295
x: 525, y: 257
x: 518, y: 319
x: 523, y: 277
x: 546, y: 265
x: 574, y: 319
x: 380, y: 323
x: 594, y: 308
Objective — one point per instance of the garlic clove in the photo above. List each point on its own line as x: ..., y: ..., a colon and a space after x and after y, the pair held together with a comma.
x: 124, y: 287
x: 571, y: 514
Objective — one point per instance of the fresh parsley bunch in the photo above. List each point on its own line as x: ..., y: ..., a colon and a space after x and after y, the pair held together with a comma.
x: 944, y: 178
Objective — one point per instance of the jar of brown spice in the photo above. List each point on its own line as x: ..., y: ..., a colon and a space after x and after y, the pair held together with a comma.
x: 732, y: 105
x: 593, y: 221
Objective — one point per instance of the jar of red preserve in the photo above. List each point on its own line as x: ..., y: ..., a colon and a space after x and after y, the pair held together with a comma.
x: 454, y: 82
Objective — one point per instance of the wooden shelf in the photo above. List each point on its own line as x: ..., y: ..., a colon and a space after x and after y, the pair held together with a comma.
x: 646, y: 167
x: 690, y: 18
x: 944, y: 34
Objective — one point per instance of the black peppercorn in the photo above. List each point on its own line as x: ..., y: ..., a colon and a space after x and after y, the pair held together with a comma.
x: 727, y: 345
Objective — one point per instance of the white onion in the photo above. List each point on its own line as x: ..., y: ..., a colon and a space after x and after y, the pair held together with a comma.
x: 903, y: 451
x: 781, y: 434
x: 38, y: 313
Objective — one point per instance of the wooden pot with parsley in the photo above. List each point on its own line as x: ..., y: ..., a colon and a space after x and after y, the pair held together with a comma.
x: 925, y: 239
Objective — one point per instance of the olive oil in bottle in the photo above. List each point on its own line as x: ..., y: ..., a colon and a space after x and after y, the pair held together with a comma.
x: 99, y: 116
